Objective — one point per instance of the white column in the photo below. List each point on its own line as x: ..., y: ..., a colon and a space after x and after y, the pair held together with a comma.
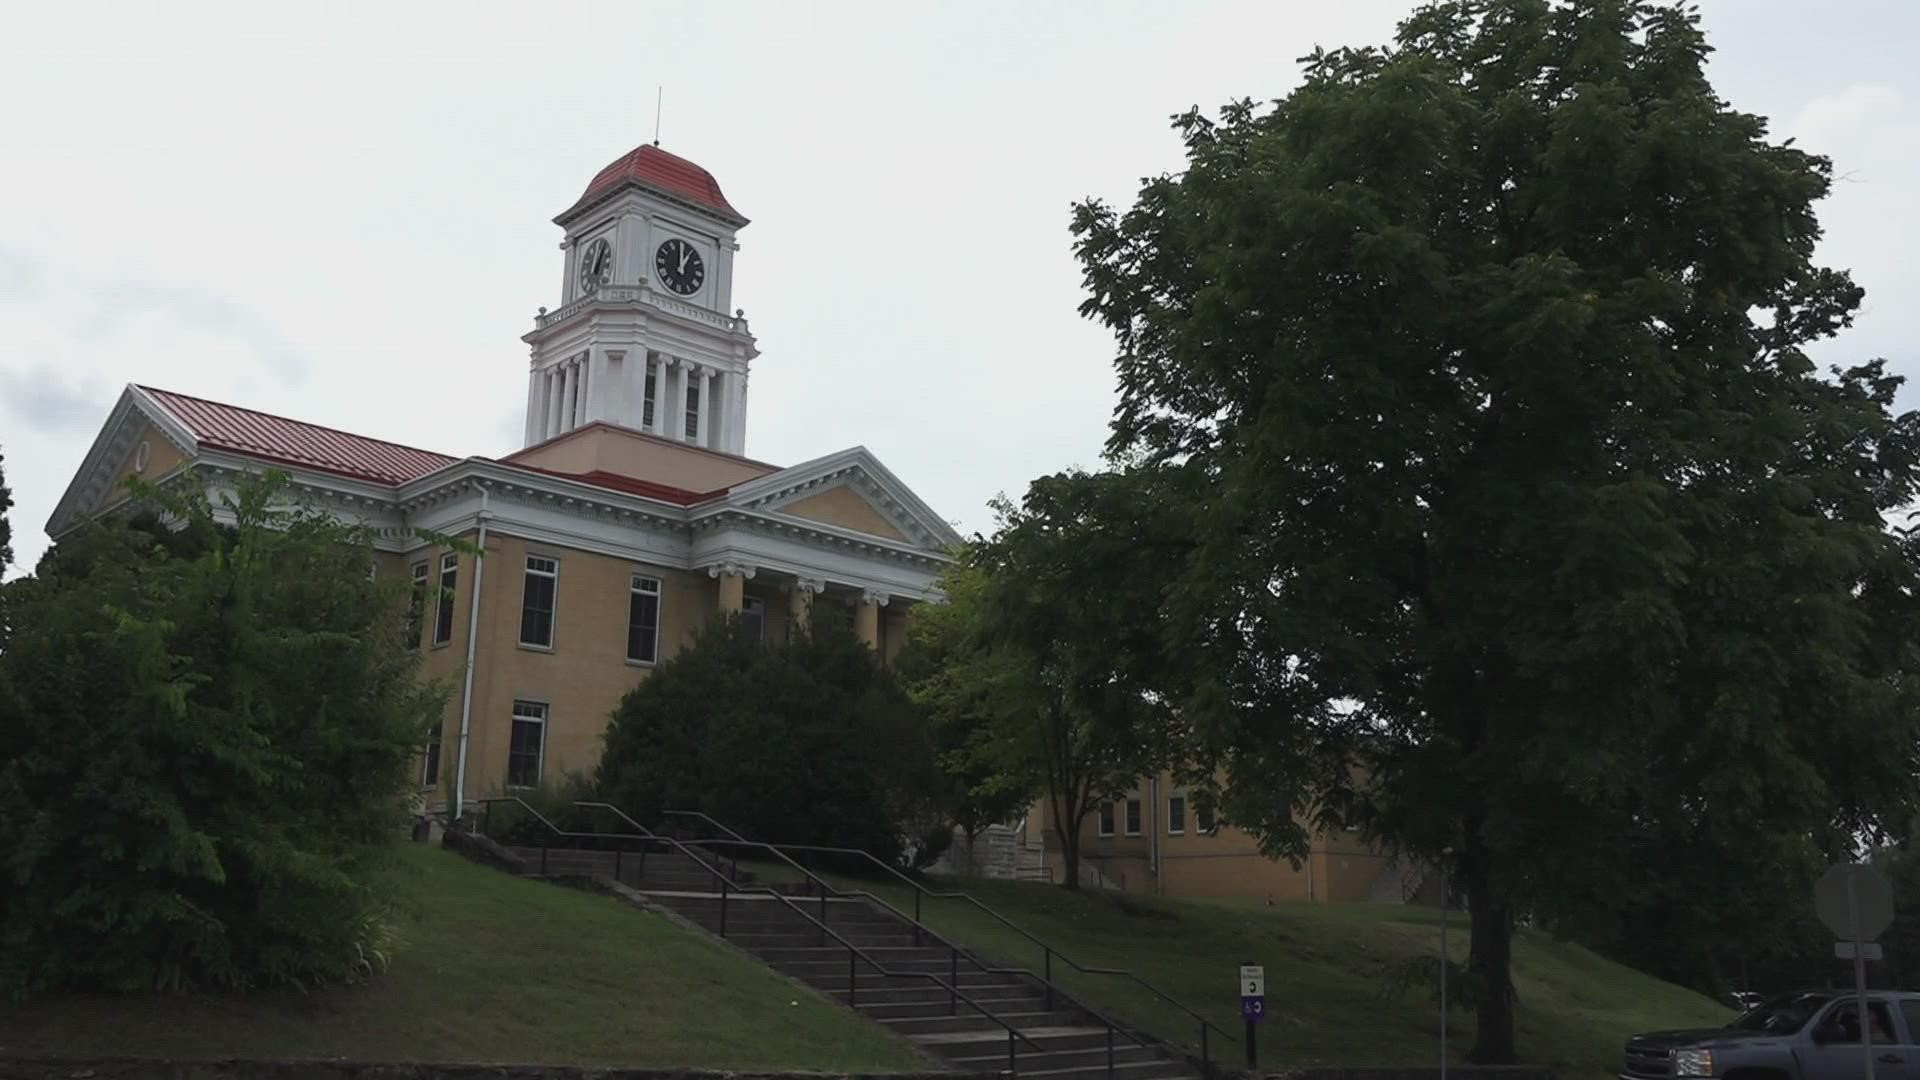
x: 571, y: 374
x: 536, y: 383
x: 555, y: 393
x: 585, y: 363
x: 715, y: 427
x: 656, y: 383
x: 706, y: 408
x: 678, y: 402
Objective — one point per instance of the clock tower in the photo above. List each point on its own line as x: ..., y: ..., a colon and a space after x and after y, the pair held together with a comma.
x: 643, y: 337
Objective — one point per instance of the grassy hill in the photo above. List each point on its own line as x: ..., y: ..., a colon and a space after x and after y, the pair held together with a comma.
x: 1329, y: 973
x: 493, y: 968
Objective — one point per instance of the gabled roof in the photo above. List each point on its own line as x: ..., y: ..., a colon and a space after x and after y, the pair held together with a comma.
x: 853, y: 467
x: 296, y: 442
x: 650, y: 167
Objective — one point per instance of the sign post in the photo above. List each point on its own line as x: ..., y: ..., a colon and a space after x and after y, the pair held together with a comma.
x: 1253, y: 1007
x: 1856, y: 903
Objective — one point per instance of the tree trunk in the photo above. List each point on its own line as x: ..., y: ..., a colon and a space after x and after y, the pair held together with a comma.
x: 1070, y: 856
x: 1490, y: 961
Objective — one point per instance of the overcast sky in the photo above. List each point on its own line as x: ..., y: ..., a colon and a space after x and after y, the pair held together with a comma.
x: 341, y: 211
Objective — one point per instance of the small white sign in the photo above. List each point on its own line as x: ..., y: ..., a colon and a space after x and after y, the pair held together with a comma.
x: 1868, y: 951
x: 1253, y: 980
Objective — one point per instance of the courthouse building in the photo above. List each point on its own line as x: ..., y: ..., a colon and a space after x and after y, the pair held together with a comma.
x: 628, y: 519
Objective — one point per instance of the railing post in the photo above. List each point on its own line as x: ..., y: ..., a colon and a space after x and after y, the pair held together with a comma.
x: 953, y: 980
x: 1049, y: 953
x: 543, y: 858
x: 723, y: 907
x: 1206, y: 1061
x: 616, y: 865
x: 1109, y: 1049
x: 853, y: 979
x: 917, y: 938
x: 1013, y: 1062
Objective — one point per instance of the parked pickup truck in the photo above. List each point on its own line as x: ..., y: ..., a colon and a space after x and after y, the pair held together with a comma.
x: 1812, y: 1035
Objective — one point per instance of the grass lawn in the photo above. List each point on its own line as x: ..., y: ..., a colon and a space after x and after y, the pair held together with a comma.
x: 492, y: 968
x: 1329, y: 969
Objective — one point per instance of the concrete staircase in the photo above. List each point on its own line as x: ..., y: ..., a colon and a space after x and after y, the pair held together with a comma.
x: 1064, y: 1040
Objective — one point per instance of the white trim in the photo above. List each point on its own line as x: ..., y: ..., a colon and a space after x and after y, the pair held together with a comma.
x: 1106, y: 810
x: 1184, y: 811
x: 1131, y: 808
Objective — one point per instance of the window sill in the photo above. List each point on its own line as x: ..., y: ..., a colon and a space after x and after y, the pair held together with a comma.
x: 631, y: 662
x: 439, y: 645
x: 533, y: 648
x: 1176, y: 832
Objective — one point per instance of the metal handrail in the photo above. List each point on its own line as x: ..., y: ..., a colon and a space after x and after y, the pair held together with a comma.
x: 1048, y: 951
x: 853, y: 950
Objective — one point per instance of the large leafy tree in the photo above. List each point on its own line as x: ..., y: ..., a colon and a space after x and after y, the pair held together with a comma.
x: 809, y: 741
x: 1526, y: 525
x: 6, y: 528
x: 208, y: 734
x: 1049, y: 646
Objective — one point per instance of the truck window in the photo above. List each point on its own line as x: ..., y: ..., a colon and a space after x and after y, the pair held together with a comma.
x: 1782, y: 1015
x: 1910, y: 1012
x: 1845, y: 1018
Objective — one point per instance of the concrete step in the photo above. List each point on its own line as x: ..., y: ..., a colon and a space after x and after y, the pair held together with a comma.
x: 1085, y: 1034
x: 971, y: 982
x: 924, y: 992
x: 970, y: 1019
x: 893, y: 956
x: 761, y: 941
x: 1124, y: 1053
x: 906, y: 1010
x: 836, y: 959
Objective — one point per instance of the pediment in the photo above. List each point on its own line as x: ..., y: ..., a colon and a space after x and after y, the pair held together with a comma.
x: 850, y: 491
x: 139, y: 438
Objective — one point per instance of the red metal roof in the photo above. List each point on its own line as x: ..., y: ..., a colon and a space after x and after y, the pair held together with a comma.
x: 651, y: 167
x: 631, y: 485
x: 295, y: 442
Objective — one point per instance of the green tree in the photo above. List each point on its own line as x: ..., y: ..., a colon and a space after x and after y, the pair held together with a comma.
x: 1049, y: 646
x: 6, y: 527
x: 1523, y: 515
x: 810, y: 741
x: 209, y: 731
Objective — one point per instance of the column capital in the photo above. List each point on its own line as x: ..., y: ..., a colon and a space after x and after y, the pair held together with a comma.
x: 731, y: 569
x: 875, y: 597
x: 808, y: 585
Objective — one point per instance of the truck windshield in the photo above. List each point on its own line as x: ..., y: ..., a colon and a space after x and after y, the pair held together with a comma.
x: 1782, y: 1015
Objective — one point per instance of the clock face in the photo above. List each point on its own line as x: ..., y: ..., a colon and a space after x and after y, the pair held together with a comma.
x: 679, y: 267
x: 596, y: 266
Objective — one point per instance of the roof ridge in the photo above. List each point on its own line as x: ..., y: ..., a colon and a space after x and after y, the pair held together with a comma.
x: 293, y: 420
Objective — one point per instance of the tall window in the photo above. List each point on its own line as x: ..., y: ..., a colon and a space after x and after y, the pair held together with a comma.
x: 753, y: 616
x: 536, y: 601
x: 643, y: 620
x: 1176, y: 815
x: 528, y: 744
x: 430, y: 761
x: 693, y: 409
x: 1133, y: 817
x: 417, y: 606
x: 1106, y: 817
x: 1203, y: 819
x: 443, y: 612
x: 654, y: 372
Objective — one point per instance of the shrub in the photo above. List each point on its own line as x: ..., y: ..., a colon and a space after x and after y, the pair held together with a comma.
x: 209, y: 731
x: 807, y: 742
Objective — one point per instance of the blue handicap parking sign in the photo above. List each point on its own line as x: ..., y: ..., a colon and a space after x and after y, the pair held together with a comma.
x: 1254, y: 1006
